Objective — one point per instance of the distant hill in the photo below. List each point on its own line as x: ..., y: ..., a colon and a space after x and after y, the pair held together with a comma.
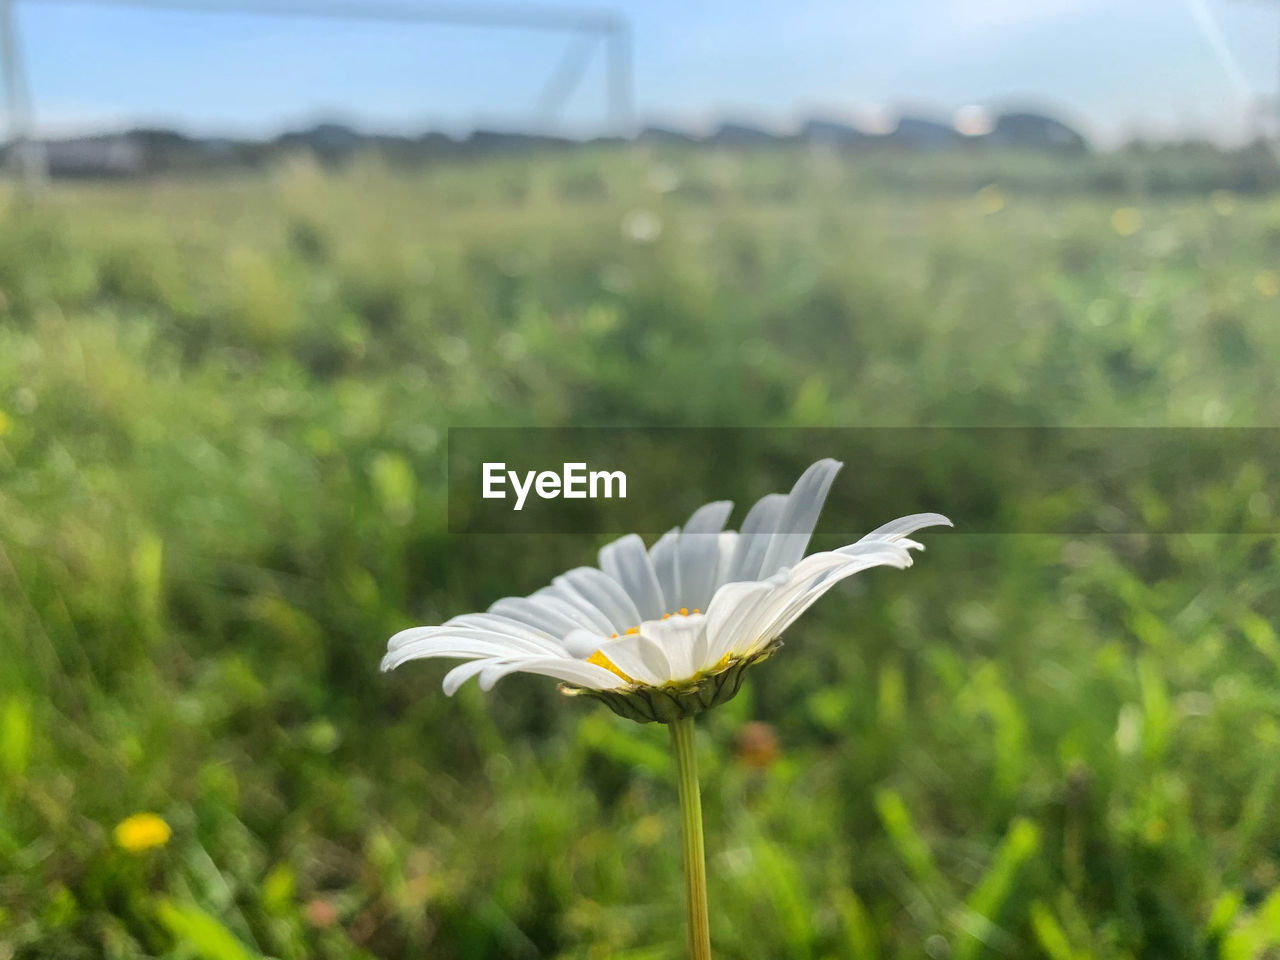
x: 1036, y: 130
x: 140, y: 152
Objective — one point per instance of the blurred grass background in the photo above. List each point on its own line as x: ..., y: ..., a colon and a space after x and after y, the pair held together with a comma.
x: 223, y: 408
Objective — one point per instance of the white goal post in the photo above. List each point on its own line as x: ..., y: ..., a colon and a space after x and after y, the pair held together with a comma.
x: 587, y: 26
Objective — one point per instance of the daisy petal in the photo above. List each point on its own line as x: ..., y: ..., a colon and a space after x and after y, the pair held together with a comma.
x: 627, y: 561
x: 731, y: 615
x: 588, y: 612
x: 639, y: 658
x: 753, y: 540
x: 583, y: 643
x: 576, y: 672
x: 699, y: 554
x: 728, y: 546
x: 709, y: 518
x: 603, y: 592
x: 499, y: 623
x: 459, y: 645
x: 681, y: 639
x: 575, y: 614
x: 666, y: 565
x: 807, y: 586
x: 460, y: 674
x: 536, y: 613
x: 740, y: 622
x: 897, y: 529
x: 799, y: 517
x: 481, y: 624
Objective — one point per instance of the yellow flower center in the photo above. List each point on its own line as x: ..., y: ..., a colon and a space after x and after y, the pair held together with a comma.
x: 600, y: 660
x: 683, y: 612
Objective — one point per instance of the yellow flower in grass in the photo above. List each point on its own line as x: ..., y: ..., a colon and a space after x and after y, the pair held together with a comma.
x: 4, y: 423
x: 1267, y: 283
x: 1126, y: 221
x: 142, y: 831
x: 990, y: 200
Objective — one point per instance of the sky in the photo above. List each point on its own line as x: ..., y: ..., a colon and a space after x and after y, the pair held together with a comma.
x: 1114, y: 68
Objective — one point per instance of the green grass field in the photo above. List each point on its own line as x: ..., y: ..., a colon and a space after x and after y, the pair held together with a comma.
x: 223, y: 408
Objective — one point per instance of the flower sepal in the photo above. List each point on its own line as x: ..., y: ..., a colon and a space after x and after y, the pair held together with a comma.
x: 674, y: 701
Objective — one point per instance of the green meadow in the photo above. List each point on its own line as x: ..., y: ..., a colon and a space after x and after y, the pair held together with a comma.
x: 223, y: 414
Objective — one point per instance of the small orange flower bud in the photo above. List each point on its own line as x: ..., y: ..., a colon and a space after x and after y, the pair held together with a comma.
x: 321, y: 913
x: 756, y: 745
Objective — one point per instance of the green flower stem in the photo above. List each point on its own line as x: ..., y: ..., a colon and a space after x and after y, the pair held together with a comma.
x: 695, y: 859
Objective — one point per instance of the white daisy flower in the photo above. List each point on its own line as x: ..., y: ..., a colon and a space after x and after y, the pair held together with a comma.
x: 668, y: 631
